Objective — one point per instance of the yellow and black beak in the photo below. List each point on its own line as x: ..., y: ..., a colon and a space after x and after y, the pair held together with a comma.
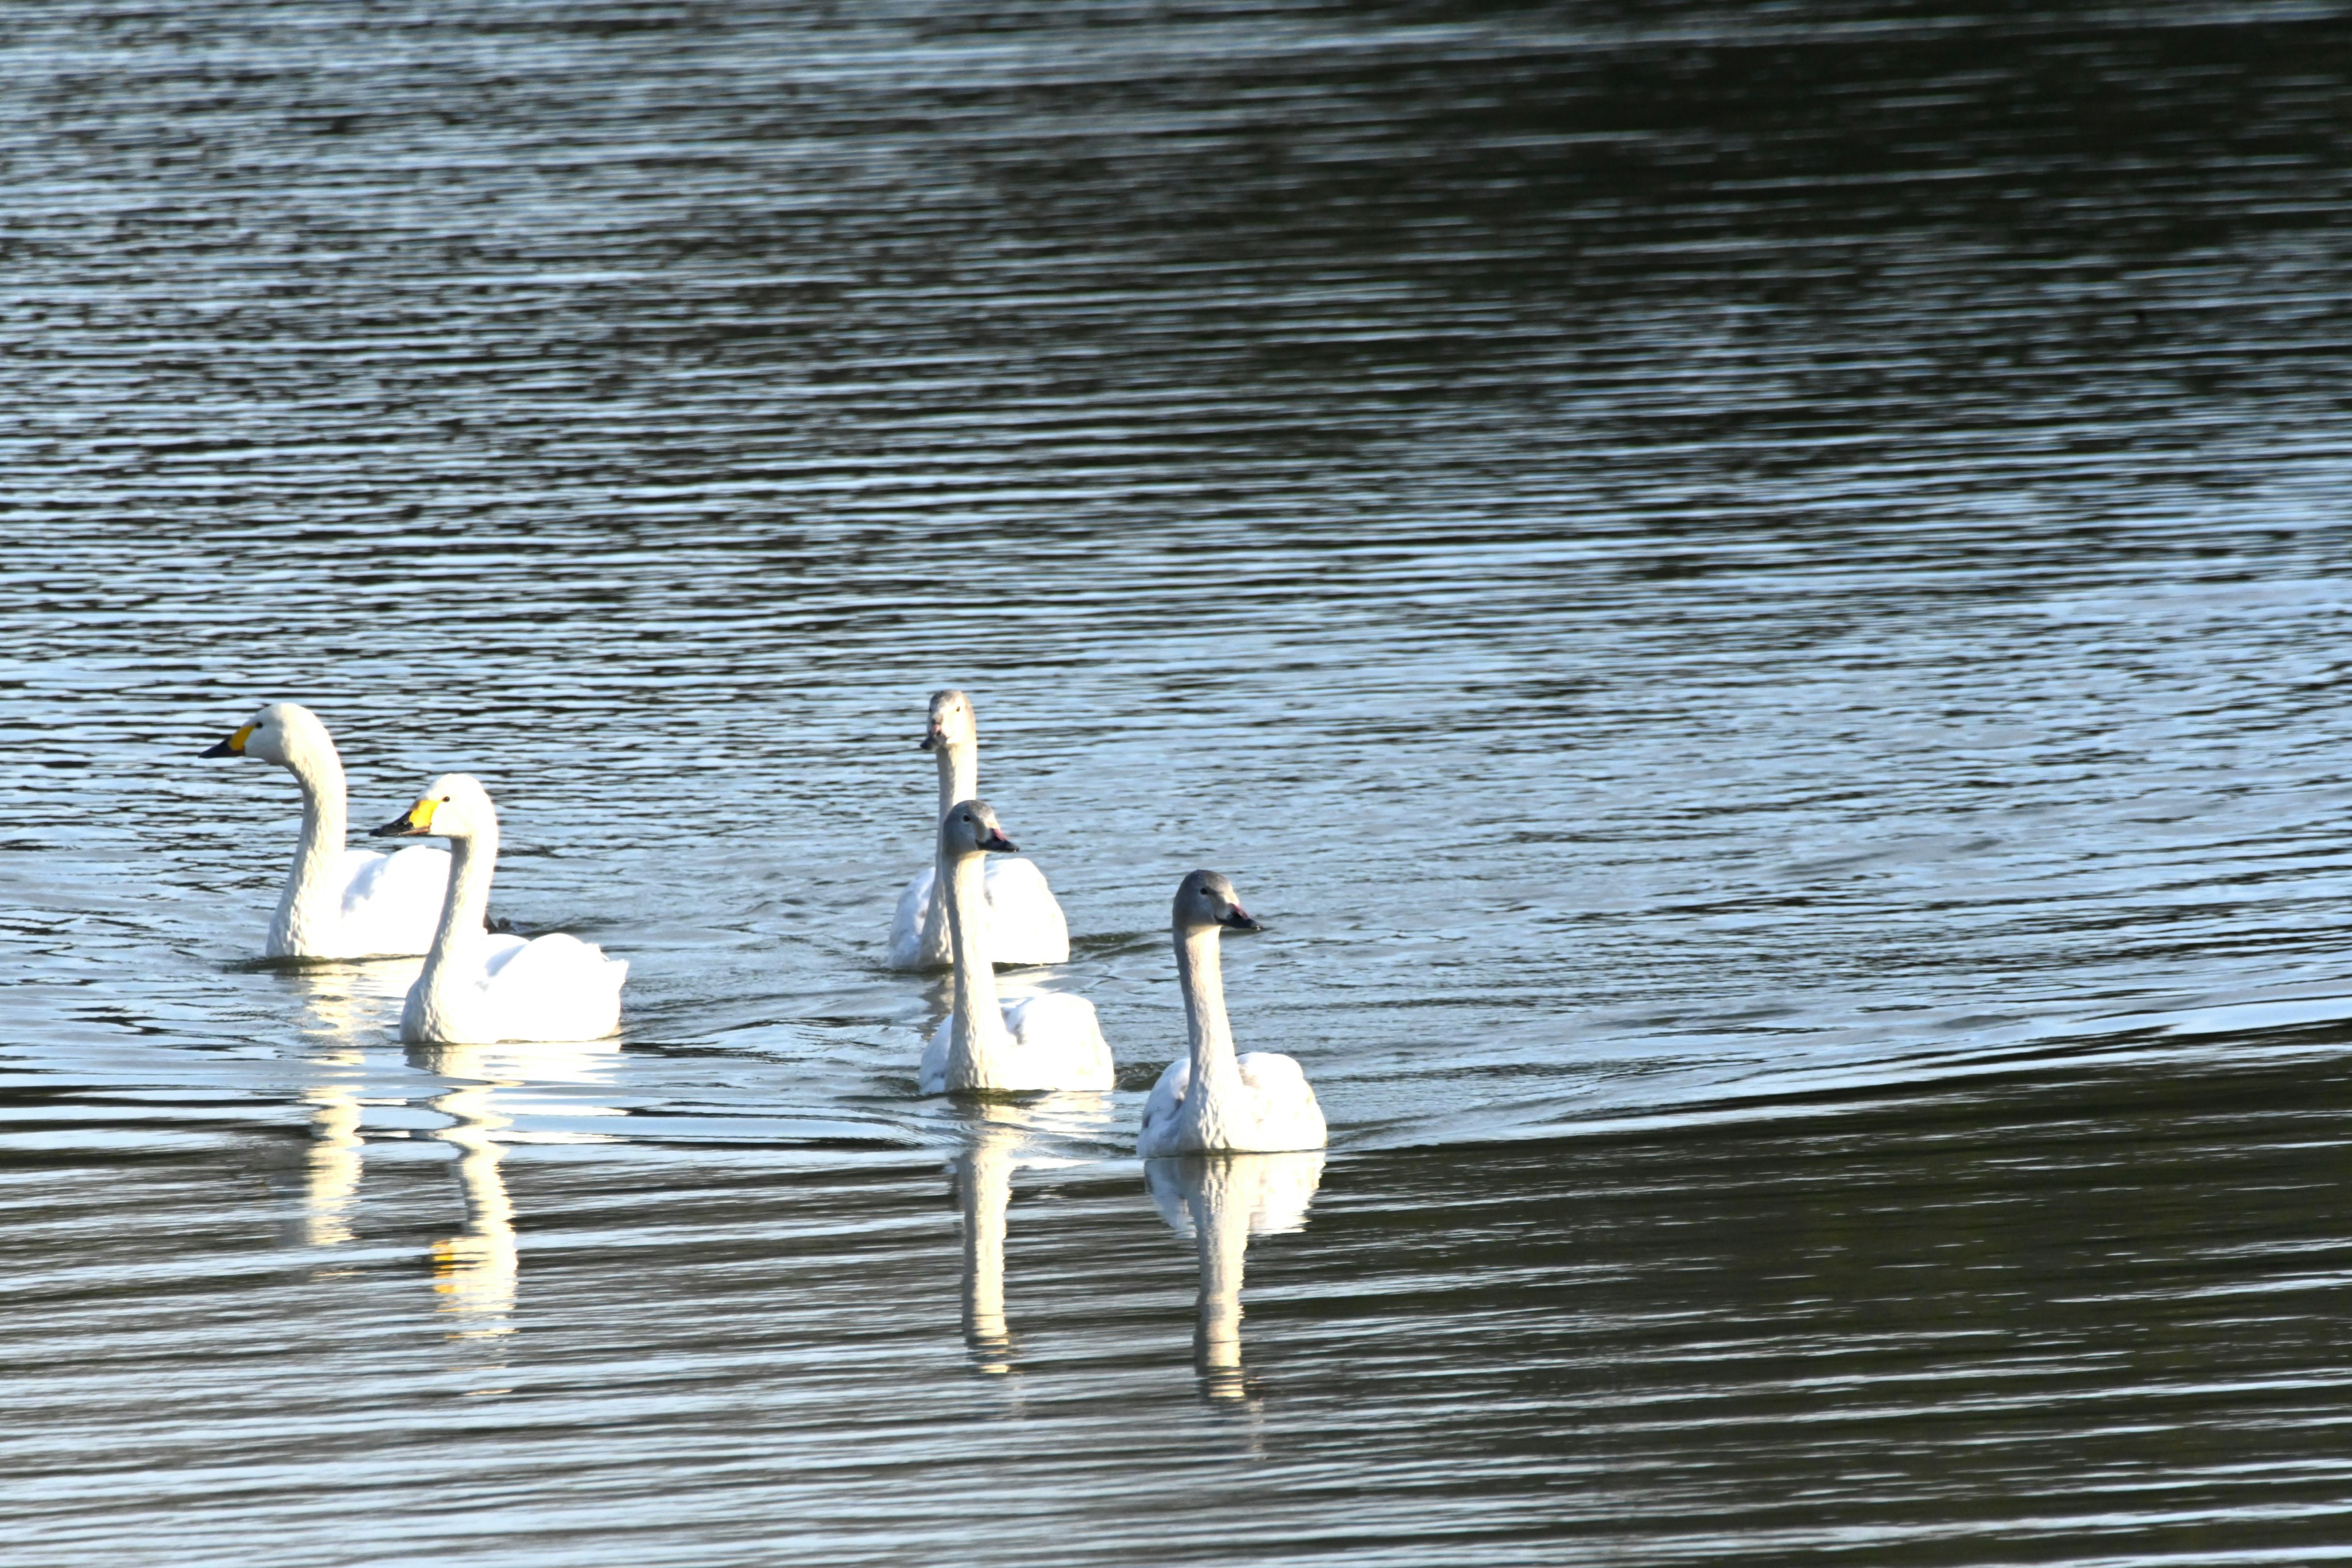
x: 416, y: 820
x: 232, y: 747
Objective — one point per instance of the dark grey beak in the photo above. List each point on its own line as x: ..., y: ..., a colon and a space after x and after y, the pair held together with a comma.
x: 219, y: 748
x: 929, y: 742
x: 396, y: 828
x: 1240, y: 921
x: 996, y: 840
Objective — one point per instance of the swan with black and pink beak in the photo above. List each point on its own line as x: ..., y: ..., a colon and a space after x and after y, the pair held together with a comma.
x: 1210, y: 1101
x: 480, y: 987
x: 1049, y: 1040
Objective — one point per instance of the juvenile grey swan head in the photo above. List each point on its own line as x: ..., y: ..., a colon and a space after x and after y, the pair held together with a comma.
x: 1207, y: 898
x: 968, y: 828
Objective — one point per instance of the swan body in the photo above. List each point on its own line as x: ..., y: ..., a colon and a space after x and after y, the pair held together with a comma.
x: 339, y: 902
x: 480, y: 987
x: 1046, y: 1041
x: 1025, y: 924
x: 1211, y: 1100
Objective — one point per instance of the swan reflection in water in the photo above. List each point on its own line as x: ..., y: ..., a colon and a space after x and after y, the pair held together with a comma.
x: 1004, y: 1136
x: 475, y: 1271
x: 1223, y: 1200
x: 341, y: 1006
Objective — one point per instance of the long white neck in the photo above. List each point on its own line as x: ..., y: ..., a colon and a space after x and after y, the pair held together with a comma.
x: 959, y: 780
x: 958, y: 772
x: 979, y: 1040
x: 472, y: 860
x: 312, y: 906
x: 1216, y: 1077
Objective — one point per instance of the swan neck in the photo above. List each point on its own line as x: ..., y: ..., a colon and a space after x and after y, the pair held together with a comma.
x: 978, y: 1035
x: 1200, y: 972
x: 472, y: 860
x: 958, y: 772
x: 312, y: 902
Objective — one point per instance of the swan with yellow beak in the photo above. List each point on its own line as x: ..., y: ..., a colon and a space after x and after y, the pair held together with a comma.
x: 480, y: 987
x: 339, y: 902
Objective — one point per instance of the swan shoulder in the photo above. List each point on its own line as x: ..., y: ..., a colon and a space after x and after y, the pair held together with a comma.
x: 547, y: 964
x: 552, y: 987
x: 1061, y: 1037
x: 1272, y: 1073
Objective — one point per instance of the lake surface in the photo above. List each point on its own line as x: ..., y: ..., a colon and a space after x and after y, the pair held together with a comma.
x: 1756, y: 596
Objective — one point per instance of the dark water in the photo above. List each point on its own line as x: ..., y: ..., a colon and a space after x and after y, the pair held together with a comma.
x: 1755, y: 594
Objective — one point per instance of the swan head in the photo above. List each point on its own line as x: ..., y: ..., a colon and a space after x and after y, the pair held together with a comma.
x: 275, y: 734
x: 1207, y: 898
x: 952, y: 724
x: 969, y: 827
x: 454, y: 805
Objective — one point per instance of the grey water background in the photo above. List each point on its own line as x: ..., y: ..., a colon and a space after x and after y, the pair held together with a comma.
x: 1756, y: 596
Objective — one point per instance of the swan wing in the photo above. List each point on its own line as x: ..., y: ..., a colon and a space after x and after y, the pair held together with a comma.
x: 1059, y: 1042
x: 933, y: 1079
x: 1287, y: 1115
x: 554, y: 987
x: 907, y: 924
x: 1025, y: 921
x: 1159, y: 1110
x: 391, y: 903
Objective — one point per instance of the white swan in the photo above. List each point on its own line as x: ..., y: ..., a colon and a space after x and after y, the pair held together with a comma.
x: 1024, y: 924
x: 338, y: 902
x: 1211, y: 1100
x: 1049, y: 1040
x: 1223, y: 1200
x: 480, y: 987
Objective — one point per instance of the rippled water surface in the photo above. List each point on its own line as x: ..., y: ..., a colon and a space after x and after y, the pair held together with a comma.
x: 1756, y: 596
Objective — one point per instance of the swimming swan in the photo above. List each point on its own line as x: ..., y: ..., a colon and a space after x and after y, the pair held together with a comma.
x: 1049, y: 1040
x: 1211, y: 1100
x: 1025, y: 925
x: 480, y: 987
x: 338, y: 902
